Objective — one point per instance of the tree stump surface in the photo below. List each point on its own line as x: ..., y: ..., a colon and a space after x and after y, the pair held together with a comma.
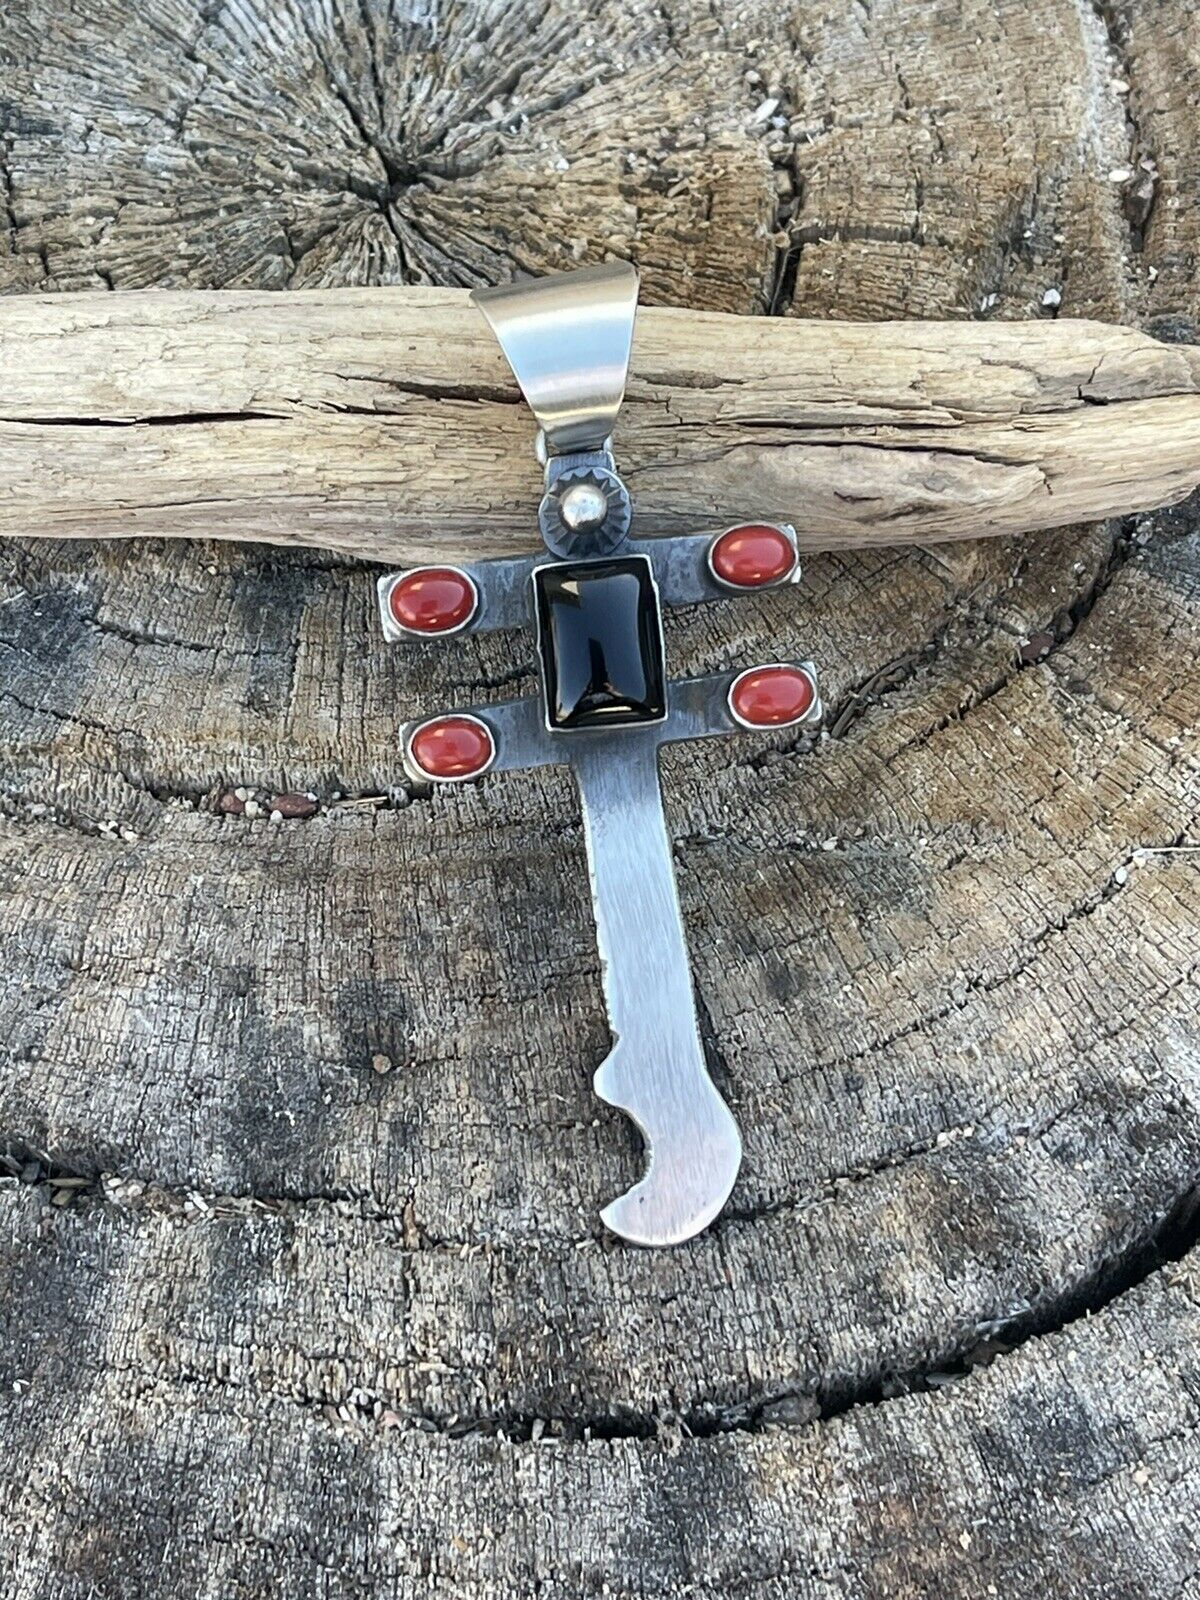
x: 305, y: 1292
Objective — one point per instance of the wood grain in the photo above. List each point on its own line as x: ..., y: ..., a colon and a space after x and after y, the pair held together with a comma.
x: 385, y: 423
x: 254, y: 1460
x: 301, y: 1286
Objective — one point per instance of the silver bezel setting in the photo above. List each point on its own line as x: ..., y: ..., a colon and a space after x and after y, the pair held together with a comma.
x: 414, y: 768
x: 394, y: 631
x: 812, y: 714
x: 792, y: 575
x: 629, y: 727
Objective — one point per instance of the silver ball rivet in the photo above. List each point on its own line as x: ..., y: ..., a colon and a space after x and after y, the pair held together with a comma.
x: 583, y: 507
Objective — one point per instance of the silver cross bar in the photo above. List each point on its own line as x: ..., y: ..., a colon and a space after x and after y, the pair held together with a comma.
x: 605, y: 709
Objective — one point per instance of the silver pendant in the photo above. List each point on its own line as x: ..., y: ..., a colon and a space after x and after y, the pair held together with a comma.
x: 605, y: 708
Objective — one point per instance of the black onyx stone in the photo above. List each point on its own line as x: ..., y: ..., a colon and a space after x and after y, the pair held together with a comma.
x: 600, y: 636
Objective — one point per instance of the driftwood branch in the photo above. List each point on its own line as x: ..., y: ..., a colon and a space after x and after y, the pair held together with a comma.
x: 384, y: 423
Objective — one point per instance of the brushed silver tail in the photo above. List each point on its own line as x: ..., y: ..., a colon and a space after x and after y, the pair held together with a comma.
x: 656, y: 1072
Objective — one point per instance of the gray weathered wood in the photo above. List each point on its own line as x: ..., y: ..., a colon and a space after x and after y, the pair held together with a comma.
x: 213, y: 1454
x: 330, y: 1314
x: 385, y: 423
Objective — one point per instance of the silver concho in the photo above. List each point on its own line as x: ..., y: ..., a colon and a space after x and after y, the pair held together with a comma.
x: 567, y: 516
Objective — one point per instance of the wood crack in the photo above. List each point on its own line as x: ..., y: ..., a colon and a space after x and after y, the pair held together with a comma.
x: 1172, y: 1237
x: 181, y: 419
x: 990, y: 982
x: 1139, y: 190
x: 897, y: 675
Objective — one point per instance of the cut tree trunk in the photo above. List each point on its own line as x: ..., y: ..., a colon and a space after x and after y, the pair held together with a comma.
x: 304, y: 1289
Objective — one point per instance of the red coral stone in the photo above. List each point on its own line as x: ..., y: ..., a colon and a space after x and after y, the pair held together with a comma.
x: 771, y: 697
x: 433, y: 600
x: 452, y: 748
x: 752, y: 556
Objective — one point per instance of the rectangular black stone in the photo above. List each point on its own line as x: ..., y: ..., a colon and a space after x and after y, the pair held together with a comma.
x: 600, y: 637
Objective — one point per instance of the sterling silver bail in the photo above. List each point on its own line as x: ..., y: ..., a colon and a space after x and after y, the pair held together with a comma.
x: 567, y: 340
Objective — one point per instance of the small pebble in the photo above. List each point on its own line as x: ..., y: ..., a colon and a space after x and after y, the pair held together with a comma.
x: 791, y: 1411
x: 294, y: 804
x: 1036, y: 646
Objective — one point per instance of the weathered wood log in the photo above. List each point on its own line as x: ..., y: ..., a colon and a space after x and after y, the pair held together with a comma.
x: 385, y: 423
x: 300, y: 1283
